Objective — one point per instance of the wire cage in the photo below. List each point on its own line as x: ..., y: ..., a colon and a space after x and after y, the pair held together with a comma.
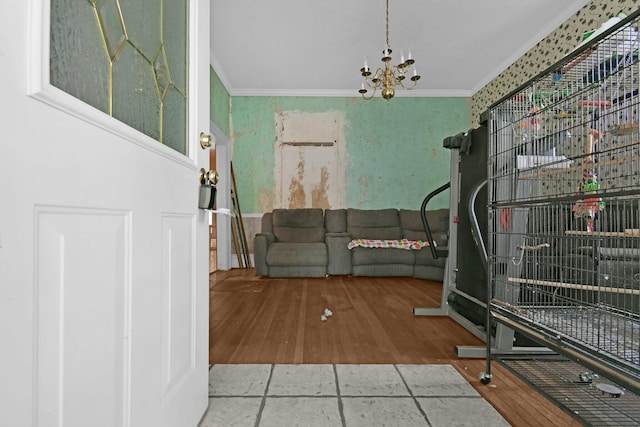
x: 564, y: 206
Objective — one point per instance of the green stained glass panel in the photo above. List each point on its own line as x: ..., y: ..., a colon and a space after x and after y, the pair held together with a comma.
x: 142, y: 19
x: 135, y: 98
x: 78, y: 64
x: 174, y: 123
x: 111, y: 24
x: 175, y: 27
x: 163, y: 77
x: 128, y: 58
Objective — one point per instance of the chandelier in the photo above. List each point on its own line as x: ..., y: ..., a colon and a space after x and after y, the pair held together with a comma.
x: 388, y: 76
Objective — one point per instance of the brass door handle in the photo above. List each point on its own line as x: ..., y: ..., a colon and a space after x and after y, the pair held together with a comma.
x: 205, y: 140
x: 211, y: 176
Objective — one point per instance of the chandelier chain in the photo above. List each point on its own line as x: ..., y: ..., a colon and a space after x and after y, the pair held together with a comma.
x: 387, y: 23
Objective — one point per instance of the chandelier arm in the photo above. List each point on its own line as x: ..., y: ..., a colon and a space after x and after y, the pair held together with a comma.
x: 378, y: 74
x: 375, y: 76
x: 373, y: 93
x: 414, y: 79
x: 398, y: 72
x: 415, y: 82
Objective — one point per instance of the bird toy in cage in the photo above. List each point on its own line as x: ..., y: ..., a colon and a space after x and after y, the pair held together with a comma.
x: 589, y: 207
x: 530, y: 125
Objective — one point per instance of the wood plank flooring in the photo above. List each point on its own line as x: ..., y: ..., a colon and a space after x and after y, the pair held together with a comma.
x: 262, y: 320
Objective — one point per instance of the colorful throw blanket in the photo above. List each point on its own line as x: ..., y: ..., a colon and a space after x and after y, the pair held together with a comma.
x: 400, y: 244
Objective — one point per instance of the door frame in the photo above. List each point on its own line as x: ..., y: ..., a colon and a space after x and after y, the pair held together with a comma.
x: 223, y: 196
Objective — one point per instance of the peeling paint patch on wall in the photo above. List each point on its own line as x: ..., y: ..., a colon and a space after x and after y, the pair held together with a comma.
x: 309, y: 168
x: 265, y: 198
x: 297, y: 198
x: 319, y: 194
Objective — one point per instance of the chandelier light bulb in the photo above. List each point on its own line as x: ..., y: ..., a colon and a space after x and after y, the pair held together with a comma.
x: 409, y: 59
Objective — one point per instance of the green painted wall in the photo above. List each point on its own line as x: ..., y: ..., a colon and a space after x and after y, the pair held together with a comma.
x: 219, y: 103
x: 394, y: 152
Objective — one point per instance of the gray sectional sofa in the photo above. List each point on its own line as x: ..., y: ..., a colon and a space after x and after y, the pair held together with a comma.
x: 315, y: 243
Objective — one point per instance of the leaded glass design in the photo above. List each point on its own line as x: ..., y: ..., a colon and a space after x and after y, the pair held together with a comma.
x: 127, y: 58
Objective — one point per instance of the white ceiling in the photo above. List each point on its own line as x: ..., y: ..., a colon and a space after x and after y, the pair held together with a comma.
x: 307, y: 48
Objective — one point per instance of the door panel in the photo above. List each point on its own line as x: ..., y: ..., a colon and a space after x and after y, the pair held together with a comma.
x: 103, y: 252
x: 178, y: 288
x: 72, y: 304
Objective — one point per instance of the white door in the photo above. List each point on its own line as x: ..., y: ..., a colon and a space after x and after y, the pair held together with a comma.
x: 103, y: 252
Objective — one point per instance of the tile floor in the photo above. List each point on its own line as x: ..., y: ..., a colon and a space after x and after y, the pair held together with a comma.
x: 344, y: 395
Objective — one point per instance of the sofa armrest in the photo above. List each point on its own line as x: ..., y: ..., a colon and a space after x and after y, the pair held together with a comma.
x: 261, y: 243
x: 338, y: 253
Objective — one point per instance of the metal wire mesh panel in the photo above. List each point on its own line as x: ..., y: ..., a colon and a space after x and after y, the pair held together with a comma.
x: 564, y: 204
x: 578, y: 391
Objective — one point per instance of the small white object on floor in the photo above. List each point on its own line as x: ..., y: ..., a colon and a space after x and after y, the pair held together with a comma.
x: 327, y: 312
x: 323, y: 317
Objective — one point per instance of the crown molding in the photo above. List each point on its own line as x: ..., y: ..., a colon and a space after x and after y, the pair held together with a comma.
x: 351, y: 93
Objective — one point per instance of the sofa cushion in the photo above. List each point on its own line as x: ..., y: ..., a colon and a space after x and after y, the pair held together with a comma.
x: 411, y: 223
x: 335, y: 220
x: 413, y: 229
x: 383, y: 270
x: 375, y: 224
x: 267, y: 222
x: 299, y: 225
x: 297, y: 254
x: 424, y: 257
x: 368, y: 256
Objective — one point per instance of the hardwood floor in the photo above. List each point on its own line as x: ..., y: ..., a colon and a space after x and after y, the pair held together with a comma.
x: 262, y: 320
